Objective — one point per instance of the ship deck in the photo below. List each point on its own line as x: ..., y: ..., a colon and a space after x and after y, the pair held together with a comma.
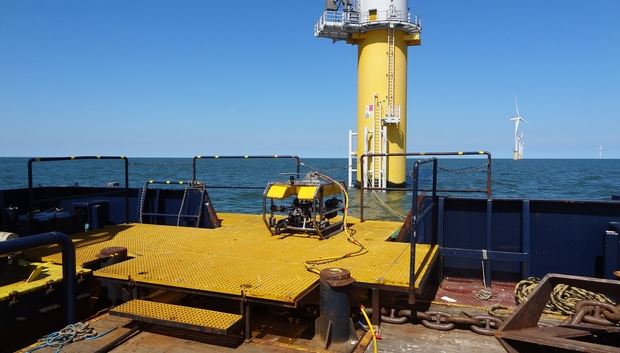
x: 243, y: 259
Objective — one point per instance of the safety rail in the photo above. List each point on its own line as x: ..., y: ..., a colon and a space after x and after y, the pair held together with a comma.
x: 363, y: 185
x: 416, y: 219
x: 298, y: 161
x: 72, y: 158
x: 354, y: 21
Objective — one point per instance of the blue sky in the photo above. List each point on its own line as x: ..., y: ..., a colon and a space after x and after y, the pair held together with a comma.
x: 184, y: 78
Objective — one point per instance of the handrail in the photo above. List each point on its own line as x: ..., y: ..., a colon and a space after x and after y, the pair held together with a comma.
x: 360, y: 22
x: 369, y: 155
x: 357, y: 18
x: 55, y: 159
x: 415, y: 220
x: 241, y: 157
x: 68, y: 263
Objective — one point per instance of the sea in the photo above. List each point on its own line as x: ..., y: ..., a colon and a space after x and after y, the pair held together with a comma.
x: 237, y: 184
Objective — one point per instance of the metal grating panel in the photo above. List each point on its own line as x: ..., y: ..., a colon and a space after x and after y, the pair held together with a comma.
x: 244, y: 256
x: 50, y: 272
x: 178, y: 316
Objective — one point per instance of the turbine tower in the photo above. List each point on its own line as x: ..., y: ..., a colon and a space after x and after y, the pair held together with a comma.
x: 521, y: 145
x: 600, y: 152
x: 383, y: 30
x: 518, y: 148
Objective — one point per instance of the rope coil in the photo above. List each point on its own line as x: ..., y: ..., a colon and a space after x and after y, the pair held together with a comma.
x: 70, y: 333
x: 563, y: 298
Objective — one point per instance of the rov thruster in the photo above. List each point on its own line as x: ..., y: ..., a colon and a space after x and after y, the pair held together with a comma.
x: 314, y: 206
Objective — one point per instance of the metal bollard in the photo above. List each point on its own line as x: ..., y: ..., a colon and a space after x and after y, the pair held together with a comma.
x: 111, y: 293
x: 335, y: 326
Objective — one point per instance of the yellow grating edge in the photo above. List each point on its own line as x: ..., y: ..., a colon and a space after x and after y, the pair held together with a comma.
x: 49, y: 272
x: 143, y: 310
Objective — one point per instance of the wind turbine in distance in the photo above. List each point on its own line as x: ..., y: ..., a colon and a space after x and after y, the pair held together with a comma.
x: 517, y: 151
x: 521, y: 145
x: 600, y: 152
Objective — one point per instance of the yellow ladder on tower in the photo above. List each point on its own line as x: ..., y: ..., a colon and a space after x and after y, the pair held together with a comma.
x: 390, y: 114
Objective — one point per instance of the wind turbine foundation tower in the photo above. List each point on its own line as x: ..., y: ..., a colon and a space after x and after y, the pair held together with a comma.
x: 382, y: 30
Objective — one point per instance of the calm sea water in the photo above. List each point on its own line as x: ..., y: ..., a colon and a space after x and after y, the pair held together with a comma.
x: 577, y: 179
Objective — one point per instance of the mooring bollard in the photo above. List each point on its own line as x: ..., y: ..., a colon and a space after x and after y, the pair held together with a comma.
x: 335, y: 326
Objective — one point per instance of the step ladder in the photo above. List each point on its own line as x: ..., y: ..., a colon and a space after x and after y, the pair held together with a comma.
x: 188, y: 214
x: 178, y: 316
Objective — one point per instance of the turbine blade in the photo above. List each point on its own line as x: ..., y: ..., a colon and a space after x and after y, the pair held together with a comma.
x: 516, y: 105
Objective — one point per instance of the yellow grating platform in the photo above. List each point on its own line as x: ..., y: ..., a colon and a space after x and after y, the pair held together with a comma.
x: 177, y: 316
x: 47, y: 272
x: 244, y: 256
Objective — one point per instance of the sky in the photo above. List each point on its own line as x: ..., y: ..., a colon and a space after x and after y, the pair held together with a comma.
x: 184, y: 78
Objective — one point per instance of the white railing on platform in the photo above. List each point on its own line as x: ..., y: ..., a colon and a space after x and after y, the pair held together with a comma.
x: 352, y: 153
x: 350, y: 21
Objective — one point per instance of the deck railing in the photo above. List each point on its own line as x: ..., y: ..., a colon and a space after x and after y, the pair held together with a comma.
x: 196, y: 158
x: 73, y: 158
x: 363, y: 186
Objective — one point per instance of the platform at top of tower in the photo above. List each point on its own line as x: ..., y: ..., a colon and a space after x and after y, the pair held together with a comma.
x: 339, y: 25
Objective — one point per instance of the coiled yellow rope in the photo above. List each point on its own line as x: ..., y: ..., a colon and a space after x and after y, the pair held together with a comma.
x: 563, y: 298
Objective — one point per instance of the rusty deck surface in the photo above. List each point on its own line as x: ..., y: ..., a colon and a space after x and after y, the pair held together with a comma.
x: 281, y: 336
x: 243, y: 256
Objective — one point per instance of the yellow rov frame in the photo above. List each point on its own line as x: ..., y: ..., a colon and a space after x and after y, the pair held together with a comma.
x: 311, y: 210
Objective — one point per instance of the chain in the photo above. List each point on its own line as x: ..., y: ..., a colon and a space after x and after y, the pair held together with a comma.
x: 439, y: 320
x: 594, y: 312
x: 160, y: 164
x: 142, y: 202
x: 484, y: 294
x: 443, y: 321
x: 463, y: 171
x: 324, y: 170
x: 182, y: 203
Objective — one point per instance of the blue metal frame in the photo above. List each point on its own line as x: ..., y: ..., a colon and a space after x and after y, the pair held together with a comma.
x: 487, y: 253
x: 417, y: 220
x: 55, y: 159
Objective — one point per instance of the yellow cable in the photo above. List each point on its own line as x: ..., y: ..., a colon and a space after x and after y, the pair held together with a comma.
x: 323, y: 260
x: 372, y: 330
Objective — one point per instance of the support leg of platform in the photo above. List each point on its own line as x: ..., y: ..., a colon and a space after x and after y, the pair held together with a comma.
x: 248, y: 328
x: 376, y: 311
